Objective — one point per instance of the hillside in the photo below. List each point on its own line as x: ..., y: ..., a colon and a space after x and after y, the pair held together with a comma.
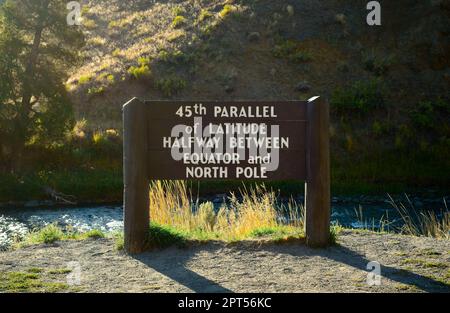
x: 259, y: 50
x: 388, y: 86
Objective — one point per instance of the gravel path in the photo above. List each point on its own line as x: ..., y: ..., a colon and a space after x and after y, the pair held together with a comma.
x: 408, y: 264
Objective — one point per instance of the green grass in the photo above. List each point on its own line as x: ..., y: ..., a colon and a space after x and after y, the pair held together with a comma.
x: 52, y: 233
x: 171, y: 85
x: 48, y: 234
x: 335, y: 230
x: 84, y: 79
x: 425, y: 263
x: 179, y: 21
x: 94, y: 233
x: 227, y: 10
x: 290, y: 50
x: 60, y: 271
x: 161, y: 236
x: 13, y: 282
x: 204, y: 15
x: 140, y: 72
x: 118, y: 240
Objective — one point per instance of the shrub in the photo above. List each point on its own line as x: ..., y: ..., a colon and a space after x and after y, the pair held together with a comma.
x: 427, y: 113
x: 177, y: 11
x: 119, y: 24
x: 204, y: 15
x: 84, y: 79
x: 143, y: 70
x: 171, y: 85
x: 379, y: 65
x: 89, y: 24
x: 227, y: 10
x: 361, y: 97
x: 94, y: 233
x: 140, y: 72
x: 96, y: 91
x: 178, y: 21
x: 97, y: 41
x: 117, y: 53
x: 290, y: 50
x: 110, y: 78
x: 176, y: 57
x: 48, y: 234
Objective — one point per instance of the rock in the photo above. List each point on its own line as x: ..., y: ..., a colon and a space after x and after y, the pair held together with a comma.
x: 273, y: 72
x: 303, y: 87
x: 254, y: 36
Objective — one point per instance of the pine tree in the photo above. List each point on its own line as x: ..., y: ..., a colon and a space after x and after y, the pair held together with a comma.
x: 37, y: 48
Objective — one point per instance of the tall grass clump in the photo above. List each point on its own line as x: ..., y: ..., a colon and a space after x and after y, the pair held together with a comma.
x: 249, y: 214
x: 48, y: 234
x: 422, y: 223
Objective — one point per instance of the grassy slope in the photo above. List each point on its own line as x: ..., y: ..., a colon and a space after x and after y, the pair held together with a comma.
x: 216, y: 51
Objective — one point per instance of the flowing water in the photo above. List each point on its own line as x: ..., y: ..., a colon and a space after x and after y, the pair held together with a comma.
x: 17, y: 222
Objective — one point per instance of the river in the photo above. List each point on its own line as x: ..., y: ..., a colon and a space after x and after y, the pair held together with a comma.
x: 356, y: 212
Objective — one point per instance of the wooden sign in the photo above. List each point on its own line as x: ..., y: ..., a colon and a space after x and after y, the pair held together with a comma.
x: 226, y: 140
x: 241, y: 140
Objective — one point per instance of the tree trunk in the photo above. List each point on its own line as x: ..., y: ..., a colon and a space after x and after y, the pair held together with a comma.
x: 25, y: 107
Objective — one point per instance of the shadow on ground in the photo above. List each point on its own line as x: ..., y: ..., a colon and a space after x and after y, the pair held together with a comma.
x: 176, y: 268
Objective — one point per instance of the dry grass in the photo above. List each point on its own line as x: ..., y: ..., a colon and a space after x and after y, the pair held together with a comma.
x: 253, y: 213
x: 423, y: 223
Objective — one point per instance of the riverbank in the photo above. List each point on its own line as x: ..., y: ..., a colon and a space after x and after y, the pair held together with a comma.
x: 97, y: 178
x: 408, y: 264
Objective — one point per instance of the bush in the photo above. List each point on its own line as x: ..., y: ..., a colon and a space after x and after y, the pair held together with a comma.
x: 227, y: 10
x: 96, y: 91
x: 290, y: 50
x: 204, y: 15
x: 48, y: 234
x: 379, y: 65
x: 171, y: 85
x: 143, y: 70
x: 361, y: 97
x: 84, y: 79
x: 140, y: 72
x: 178, y: 21
x: 427, y: 113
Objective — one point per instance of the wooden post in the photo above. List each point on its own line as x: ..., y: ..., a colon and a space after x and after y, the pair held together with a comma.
x: 317, y: 187
x: 136, y: 183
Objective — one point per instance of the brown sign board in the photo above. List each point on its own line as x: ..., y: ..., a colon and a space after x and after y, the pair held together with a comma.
x: 226, y: 140
x: 239, y: 140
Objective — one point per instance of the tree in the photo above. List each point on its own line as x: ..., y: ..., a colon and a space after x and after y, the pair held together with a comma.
x: 37, y: 48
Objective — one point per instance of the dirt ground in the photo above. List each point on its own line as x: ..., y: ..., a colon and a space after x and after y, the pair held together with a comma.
x: 408, y: 264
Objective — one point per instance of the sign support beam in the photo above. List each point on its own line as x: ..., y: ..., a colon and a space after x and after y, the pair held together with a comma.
x: 136, y: 182
x: 317, y: 186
